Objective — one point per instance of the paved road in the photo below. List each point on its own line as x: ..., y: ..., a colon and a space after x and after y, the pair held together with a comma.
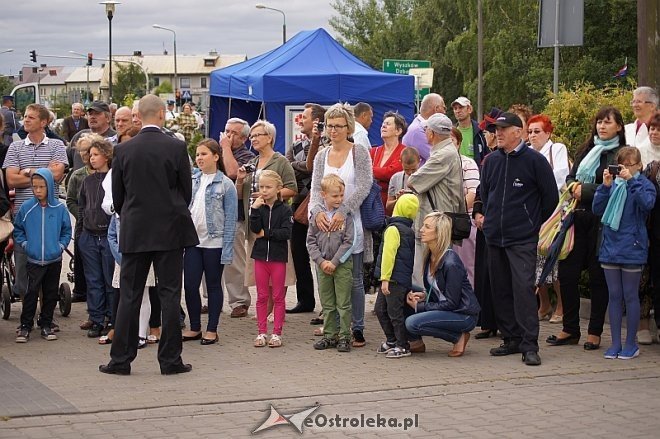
x: 53, y: 389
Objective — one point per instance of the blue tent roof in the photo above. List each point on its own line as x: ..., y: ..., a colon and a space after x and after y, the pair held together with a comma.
x: 311, y: 67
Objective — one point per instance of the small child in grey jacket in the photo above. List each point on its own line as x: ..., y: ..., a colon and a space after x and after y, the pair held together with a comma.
x: 332, y: 252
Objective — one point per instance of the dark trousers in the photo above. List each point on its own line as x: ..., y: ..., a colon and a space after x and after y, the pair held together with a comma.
x: 168, y: 266
x: 390, y: 312
x: 99, y: 267
x: 198, y: 261
x: 154, y: 319
x: 583, y: 257
x: 44, y: 278
x: 512, y: 271
x: 304, y: 280
x: 654, y: 275
x: 80, y: 284
x: 482, y: 290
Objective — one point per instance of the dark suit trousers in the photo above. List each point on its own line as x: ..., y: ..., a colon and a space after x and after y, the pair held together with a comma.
x: 168, y: 266
x: 482, y: 290
x: 512, y: 271
x: 300, y: 256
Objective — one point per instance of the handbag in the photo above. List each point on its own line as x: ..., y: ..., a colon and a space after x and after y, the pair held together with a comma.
x: 6, y: 226
x: 372, y: 211
x: 551, y: 227
x: 301, y: 213
x: 461, y: 223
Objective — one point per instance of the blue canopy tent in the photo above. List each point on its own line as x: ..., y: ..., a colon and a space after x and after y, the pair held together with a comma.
x: 310, y: 67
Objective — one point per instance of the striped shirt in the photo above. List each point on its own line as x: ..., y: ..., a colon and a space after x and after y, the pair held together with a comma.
x: 24, y: 154
x: 470, y: 175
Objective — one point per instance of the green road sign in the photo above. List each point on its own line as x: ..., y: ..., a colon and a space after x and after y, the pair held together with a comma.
x: 402, y: 66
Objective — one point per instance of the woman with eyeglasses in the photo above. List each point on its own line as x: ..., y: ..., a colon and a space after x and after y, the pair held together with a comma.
x: 262, y: 138
x: 539, y: 130
x: 353, y: 164
x: 599, y: 151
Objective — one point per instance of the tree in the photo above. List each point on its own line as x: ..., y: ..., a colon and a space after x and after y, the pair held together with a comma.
x: 164, y: 87
x: 129, y: 80
x: 6, y: 85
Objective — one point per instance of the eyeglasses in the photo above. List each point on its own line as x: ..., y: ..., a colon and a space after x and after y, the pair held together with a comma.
x: 630, y: 165
x: 638, y: 102
x: 534, y: 131
x: 257, y: 135
x: 335, y: 127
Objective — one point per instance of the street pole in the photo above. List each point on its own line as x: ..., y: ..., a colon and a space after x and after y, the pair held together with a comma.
x: 555, y: 73
x: 176, y: 80
x: 87, y: 97
x: 262, y: 6
x: 110, y: 12
x: 480, y: 60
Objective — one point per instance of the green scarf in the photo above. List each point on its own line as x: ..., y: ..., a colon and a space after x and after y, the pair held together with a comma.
x: 586, y: 172
x: 616, y: 203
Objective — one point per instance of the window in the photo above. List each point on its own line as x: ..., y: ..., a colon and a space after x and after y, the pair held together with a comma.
x: 184, y: 82
x: 203, y: 82
x: 155, y: 81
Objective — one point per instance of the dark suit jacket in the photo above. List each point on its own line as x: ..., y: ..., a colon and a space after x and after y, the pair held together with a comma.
x: 69, y: 128
x: 151, y: 190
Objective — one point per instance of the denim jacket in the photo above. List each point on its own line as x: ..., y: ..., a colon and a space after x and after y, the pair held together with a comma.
x: 221, y: 210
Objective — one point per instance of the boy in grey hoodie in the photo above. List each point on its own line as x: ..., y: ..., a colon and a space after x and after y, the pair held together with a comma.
x: 331, y: 251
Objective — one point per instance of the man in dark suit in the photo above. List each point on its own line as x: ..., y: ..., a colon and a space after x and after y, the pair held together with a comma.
x: 151, y: 188
x: 74, y: 123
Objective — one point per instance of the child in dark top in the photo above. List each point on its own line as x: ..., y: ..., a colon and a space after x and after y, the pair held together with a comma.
x: 97, y: 258
x: 394, y: 268
x: 271, y: 220
x: 43, y: 229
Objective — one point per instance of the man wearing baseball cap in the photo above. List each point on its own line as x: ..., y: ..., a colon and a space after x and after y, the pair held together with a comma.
x: 518, y: 194
x: 438, y: 183
x: 474, y: 143
x: 98, y: 119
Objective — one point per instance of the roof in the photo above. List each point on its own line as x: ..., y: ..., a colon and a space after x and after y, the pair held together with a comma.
x: 61, y: 73
x: 80, y: 74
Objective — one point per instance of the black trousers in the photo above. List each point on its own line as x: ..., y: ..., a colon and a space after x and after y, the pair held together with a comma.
x: 512, y: 271
x: 654, y: 275
x: 154, y: 318
x: 482, y: 290
x: 168, y: 266
x: 304, y: 280
x: 390, y: 312
x: 44, y: 278
x: 583, y: 257
x: 80, y: 284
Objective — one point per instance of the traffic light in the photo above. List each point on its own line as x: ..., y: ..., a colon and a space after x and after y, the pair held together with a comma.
x: 90, y: 58
x: 33, y: 55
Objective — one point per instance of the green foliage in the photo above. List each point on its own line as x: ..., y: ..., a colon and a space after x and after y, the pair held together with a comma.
x: 129, y: 80
x: 192, y: 145
x: 6, y: 86
x: 164, y: 87
x: 129, y: 99
x: 572, y: 110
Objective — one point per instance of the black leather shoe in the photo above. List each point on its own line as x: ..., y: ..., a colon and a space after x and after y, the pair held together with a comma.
x: 553, y: 340
x: 486, y: 334
x: 505, y: 349
x: 299, y: 308
x: 193, y: 337
x: 78, y: 298
x: 589, y: 346
x: 531, y: 358
x: 208, y: 341
x: 114, y: 370
x: 182, y: 368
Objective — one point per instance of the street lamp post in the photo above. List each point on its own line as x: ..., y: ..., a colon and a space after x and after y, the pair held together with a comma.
x: 6, y: 51
x: 262, y: 6
x: 110, y: 12
x: 176, y: 81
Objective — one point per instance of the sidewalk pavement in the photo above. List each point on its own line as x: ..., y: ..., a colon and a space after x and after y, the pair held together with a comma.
x: 53, y: 389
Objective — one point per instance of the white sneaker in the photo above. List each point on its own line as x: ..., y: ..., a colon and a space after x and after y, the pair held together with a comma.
x: 644, y: 337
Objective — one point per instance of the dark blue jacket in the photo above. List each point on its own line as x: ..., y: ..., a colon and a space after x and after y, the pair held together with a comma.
x: 479, y: 143
x: 456, y: 293
x: 629, y: 244
x: 519, y: 193
x: 405, y: 254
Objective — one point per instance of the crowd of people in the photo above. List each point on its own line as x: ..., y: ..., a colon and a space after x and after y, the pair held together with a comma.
x: 238, y: 217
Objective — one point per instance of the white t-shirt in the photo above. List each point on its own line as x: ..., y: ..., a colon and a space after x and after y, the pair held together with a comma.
x: 198, y: 214
x: 347, y: 173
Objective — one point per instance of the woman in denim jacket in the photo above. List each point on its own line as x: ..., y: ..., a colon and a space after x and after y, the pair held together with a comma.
x: 214, y: 210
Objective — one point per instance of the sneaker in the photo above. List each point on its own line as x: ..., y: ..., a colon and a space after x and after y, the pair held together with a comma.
x: 644, y: 337
x: 398, y: 352
x: 612, y: 353
x: 325, y: 343
x: 344, y: 345
x: 47, y: 333
x: 385, y: 347
x: 95, y: 331
x: 358, y: 339
x: 23, y: 335
x: 629, y: 353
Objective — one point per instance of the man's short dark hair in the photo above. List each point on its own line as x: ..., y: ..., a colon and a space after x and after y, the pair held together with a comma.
x: 360, y: 108
x: 318, y: 112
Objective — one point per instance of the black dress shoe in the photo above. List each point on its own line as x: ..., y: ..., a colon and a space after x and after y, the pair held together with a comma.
x: 300, y: 308
x: 486, y: 334
x: 181, y: 368
x: 589, y: 346
x: 505, y: 349
x: 208, y: 341
x: 193, y: 337
x: 553, y: 340
x: 114, y: 370
x: 78, y: 298
x: 531, y: 358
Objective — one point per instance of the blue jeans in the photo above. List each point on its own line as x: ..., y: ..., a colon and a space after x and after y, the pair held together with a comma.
x: 357, y: 293
x: 198, y: 260
x: 99, y: 266
x: 446, y: 325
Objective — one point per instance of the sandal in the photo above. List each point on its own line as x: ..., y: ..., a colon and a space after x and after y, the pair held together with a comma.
x: 105, y: 340
x: 260, y: 341
x: 152, y: 339
x: 275, y: 341
x: 556, y: 318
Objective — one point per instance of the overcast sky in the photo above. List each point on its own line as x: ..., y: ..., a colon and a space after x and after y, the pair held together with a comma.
x: 54, y: 27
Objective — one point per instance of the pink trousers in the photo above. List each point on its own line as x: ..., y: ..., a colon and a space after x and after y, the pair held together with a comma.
x: 265, y: 274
